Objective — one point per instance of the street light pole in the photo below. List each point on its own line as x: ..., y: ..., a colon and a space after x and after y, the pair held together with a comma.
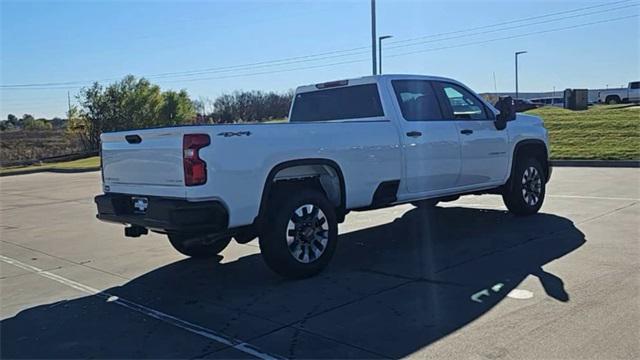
x: 518, y: 53
x: 380, y: 52
x: 373, y: 36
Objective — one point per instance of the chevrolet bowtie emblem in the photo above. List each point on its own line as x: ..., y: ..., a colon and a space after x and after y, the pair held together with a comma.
x: 140, y: 204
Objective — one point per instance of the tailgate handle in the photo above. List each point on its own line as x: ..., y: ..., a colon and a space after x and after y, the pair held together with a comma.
x: 133, y: 139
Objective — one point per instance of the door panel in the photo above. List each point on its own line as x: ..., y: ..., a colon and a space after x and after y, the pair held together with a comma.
x: 484, y: 153
x: 431, y: 146
x: 432, y: 160
x: 483, y: 148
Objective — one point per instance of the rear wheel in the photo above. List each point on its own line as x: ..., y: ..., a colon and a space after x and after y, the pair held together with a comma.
x: 524, y: 194
x: 300, y: 234
x: 612, y: 100
x: 198, y: 245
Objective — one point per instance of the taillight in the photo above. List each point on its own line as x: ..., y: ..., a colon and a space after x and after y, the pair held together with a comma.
x: 195, y: 169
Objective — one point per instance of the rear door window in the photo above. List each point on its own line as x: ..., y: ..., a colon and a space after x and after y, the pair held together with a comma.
x: 635, y: 85
x: 417, y: 100
x: 352, y: 102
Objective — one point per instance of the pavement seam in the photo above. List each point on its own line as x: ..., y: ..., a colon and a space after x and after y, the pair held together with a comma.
x: 497, y: 251
x: 67, y: 260
x: 607, y: 213
x: 535, y: 238
x: 381, y: 291
x: 409, y: 280
x: 291, y: 324
x: 557, y: 314
x: 28, y: 273
x: 193, y: 328
x: 54, y: 202
x: 38, y: 197
x: 309, y: 332
x: 416, y: 279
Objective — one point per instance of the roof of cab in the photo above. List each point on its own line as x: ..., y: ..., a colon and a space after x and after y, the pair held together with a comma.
x: 371, y: 79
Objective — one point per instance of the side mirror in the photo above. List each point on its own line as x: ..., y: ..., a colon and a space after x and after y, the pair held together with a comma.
x: 507, y: 110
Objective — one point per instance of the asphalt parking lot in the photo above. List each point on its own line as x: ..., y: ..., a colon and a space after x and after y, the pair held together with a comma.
x: 465, y: 280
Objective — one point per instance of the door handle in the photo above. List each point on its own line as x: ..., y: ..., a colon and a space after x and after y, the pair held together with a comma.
x: 133, y: 139
x: 466, y: 132
x: 414, y: 134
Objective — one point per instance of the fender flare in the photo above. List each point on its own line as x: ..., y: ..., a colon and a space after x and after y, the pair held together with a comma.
x: 534, y: 142
x: 268, y: 185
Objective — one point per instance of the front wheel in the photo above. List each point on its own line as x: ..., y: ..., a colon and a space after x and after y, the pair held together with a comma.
x: 300, y: 235
x: 198, y: 245
x: 524, y: 194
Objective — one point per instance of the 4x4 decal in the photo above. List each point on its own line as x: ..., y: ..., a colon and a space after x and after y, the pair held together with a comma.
x: 238, y: 133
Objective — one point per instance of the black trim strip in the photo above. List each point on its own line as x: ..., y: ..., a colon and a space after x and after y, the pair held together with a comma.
x: 386, y: 193
x: 525, y: 142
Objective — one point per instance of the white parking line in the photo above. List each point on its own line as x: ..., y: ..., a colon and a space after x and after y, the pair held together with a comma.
x: 169, y: 319
x: 593, y: 197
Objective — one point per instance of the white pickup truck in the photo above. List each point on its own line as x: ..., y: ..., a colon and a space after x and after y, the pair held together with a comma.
x: 354, y: 144
x: 617, y: 96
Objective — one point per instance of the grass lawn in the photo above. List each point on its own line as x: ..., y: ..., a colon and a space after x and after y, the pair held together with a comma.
x: 66, y: 165
x: 610, y: 132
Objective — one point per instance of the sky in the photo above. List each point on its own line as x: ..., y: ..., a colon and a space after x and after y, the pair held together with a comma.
x: 213, y: 47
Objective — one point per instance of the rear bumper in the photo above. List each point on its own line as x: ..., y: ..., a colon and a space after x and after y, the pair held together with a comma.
x: 163, y: 214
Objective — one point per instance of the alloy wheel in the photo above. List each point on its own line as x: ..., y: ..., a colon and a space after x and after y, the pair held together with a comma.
x: 531, y: 186
x: 307, y: 233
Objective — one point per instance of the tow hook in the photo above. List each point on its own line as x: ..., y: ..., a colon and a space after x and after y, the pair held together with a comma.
x: 135, y: 231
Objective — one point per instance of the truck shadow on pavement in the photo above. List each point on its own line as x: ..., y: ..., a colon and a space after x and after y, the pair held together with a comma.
x: 390, y: 291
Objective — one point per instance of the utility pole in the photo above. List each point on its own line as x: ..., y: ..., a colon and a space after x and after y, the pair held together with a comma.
x: 518, y: 53
x: 380, y: 52
x: 373, y: 37
x: 495, y: 86
x: 68, y: 105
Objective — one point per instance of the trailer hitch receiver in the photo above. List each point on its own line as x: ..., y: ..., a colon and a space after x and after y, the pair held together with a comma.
x: 135, y: 231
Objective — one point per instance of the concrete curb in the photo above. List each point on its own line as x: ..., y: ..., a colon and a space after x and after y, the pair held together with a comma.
x: 51, y: 159
x: 597, y: 163
x: 60, y: 171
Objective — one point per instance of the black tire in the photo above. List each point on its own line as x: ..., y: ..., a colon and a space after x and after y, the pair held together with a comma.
x: 612, y: 100
x: 525, y: 191
x: 429, y: 203
x: 303, y: 233
x: 198, y: 245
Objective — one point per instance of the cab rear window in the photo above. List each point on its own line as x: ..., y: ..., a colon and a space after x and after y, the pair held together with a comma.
x: 352, y: 102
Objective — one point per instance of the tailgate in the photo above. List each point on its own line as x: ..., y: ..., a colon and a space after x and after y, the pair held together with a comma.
x: 143, y: 158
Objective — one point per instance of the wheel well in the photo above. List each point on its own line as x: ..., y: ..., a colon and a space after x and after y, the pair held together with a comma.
x: 612, y: 97
x: 321, y: 174
x: 532, y: 148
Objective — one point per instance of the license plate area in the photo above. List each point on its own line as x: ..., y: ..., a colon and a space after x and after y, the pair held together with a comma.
x: 139, y: 204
